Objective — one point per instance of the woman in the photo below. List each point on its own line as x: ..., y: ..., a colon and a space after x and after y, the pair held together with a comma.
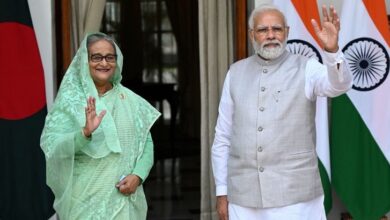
x: 96, y: 138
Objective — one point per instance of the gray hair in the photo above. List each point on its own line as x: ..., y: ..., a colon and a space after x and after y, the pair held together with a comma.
x: 98, y: 37
x: 263, y: 8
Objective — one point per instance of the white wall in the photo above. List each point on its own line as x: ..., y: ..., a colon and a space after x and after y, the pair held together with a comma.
x: 388, y: 6
x: 42, y: 12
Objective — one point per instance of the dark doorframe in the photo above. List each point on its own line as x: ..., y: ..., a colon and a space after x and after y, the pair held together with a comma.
x: 241, y: 33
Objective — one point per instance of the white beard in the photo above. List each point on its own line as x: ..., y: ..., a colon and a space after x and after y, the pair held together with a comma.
x: 269, y: 53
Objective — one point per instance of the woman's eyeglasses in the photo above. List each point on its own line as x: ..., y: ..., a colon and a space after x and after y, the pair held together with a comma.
x: 96, y: 58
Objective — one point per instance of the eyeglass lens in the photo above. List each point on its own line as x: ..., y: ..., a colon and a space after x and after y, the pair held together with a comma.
x: 110, y: 58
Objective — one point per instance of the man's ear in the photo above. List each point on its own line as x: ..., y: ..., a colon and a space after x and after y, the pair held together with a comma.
x: 251, y: 34
x: 287, y: 31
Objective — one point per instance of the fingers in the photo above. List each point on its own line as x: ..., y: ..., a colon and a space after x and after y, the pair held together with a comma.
x: 91, y: 104
x: 325, y: 13
x: 92, y: 120
x: 90, y: 109
x: 315, y: 26
x: 102, y: 113
x: 332, y: 16
x: 127, y: 186
x: 336, y: 19
x: 121, y: 185
x: 126, y: 189
x: 332, y: 12
x: 121, y: 182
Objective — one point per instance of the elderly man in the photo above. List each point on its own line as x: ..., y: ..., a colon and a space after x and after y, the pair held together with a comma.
x: 264, y: 158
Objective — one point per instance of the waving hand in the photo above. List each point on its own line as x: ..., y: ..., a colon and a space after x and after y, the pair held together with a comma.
x: 92, y: 120
x: 329, y: 33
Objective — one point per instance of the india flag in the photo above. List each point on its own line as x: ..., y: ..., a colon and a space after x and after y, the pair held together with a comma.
x: 302, y: 40
x: 360, y: 131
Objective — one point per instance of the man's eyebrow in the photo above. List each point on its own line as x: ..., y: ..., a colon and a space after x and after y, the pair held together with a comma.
x: 273, y: 25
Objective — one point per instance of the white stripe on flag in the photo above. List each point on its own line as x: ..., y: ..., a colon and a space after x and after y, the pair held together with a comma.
x: 41, y: 15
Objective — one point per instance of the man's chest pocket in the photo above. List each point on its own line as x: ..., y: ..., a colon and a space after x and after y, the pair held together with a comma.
x: 289, y: 102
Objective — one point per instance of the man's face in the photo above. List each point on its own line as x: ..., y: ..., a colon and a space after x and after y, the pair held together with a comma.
x: 269, y: 34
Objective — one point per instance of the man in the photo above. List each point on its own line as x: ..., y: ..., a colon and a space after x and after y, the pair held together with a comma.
x: 264, y: 158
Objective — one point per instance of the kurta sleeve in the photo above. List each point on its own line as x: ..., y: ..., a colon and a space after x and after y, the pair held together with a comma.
x: 221, y: 145
x: 329, y: 80
x: 145, y: 162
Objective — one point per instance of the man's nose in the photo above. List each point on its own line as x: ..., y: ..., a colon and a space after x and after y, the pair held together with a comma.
x: 270, y: 34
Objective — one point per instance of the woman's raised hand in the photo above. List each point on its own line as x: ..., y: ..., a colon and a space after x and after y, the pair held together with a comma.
x: 92, y: 120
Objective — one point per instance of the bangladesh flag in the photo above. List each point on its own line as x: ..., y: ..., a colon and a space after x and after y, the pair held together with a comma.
x: 360, y: 131
x: 23, y: 190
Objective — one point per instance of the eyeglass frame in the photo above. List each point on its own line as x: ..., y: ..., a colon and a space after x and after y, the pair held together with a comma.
x: 101, y: 57
x: 265, y: 30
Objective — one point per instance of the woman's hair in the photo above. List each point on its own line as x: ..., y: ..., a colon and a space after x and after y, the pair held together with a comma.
x: 263, y: 8
x: 98, y: 37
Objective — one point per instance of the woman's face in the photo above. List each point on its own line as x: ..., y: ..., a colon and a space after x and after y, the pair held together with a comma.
x: 102, y: 61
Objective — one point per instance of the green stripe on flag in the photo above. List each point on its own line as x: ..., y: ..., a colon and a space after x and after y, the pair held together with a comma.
x: 360, y: 172
x: 326, y: 186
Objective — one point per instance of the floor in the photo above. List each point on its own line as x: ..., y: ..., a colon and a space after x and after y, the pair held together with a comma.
x: 173, y: 186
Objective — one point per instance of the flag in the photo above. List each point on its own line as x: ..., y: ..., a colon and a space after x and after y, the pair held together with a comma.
x: 360, y: 125
x: 302, y: 40
x: 23, y: 190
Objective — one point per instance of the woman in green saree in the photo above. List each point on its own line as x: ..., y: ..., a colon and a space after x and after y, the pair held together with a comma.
x: 97, y: 139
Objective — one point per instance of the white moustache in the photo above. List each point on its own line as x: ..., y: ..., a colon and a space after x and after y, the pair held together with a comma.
x: 266, y: 43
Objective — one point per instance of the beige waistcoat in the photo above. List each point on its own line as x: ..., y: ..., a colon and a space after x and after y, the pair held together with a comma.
x: 272, y: 157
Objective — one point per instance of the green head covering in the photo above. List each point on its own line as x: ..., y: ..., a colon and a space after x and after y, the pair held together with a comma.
x: 76, y: 86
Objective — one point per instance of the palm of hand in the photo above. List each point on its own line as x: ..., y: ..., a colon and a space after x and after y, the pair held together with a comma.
x: 328, y: 35
x: 92, y: 120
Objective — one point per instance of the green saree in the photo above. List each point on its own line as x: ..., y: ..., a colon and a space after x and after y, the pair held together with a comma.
x: 83, y: 172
